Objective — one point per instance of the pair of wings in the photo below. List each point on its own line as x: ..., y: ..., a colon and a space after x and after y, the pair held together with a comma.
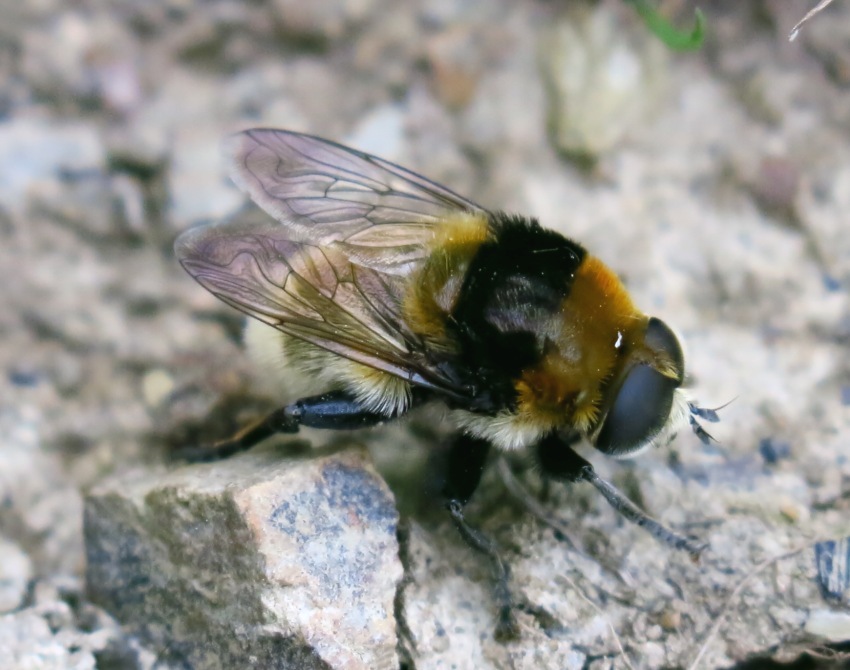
x: 347, y: 231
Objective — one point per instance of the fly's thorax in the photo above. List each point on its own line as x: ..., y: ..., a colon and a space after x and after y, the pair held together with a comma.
x: 545, y: 335
x: 598, y: 329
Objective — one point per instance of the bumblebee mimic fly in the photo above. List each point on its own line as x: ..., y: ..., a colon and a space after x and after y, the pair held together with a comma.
x: 387, y: 291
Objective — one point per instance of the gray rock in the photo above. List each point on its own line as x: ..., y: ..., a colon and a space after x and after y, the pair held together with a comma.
x: 258, y: 560
x: 33, y: 151
x: 15, y: 573
x: 381, y: 132
x: 84, y: 59
x: 26, y: 641
x: 41, y: 510
x: 61, y: 630
x: 326, y: 20
x: 195, y: 182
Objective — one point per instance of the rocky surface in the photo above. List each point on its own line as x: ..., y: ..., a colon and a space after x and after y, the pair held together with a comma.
x: 270, y: 562
x: 716, y: 182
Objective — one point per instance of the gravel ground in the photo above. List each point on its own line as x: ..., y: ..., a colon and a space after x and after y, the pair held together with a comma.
x: 717, y: 182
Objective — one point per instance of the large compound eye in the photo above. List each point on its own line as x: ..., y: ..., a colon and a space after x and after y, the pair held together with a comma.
x: 639, y: 412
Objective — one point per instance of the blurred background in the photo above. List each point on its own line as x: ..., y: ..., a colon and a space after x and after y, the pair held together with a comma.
x: 716, y: 181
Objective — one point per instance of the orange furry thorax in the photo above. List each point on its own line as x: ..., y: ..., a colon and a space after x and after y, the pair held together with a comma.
x: 600, y: 325
x: 590, y: 335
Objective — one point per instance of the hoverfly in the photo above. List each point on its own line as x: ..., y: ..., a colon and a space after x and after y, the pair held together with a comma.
x: 388, y: 291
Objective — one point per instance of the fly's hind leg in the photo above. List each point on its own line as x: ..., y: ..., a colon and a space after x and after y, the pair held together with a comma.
x: 336, y: 410
x: 462, y: 470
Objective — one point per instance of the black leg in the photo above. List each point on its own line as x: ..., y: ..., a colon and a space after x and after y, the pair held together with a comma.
x: 336, y: 410
x: 406, y: 639
x: 506, y: 626
x: 463, y: 466
x: 558, y: 460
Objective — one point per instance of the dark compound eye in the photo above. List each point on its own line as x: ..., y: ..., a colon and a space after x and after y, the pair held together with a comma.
x: 639, y: 411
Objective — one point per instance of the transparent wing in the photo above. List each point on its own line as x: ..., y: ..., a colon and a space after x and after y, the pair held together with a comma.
x: 380, y: 215
x: 332, y: 268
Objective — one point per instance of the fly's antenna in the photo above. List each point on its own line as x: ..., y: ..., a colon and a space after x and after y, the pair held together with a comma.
x: 706, y: 414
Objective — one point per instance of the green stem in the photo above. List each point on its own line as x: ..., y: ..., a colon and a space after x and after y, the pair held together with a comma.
x: 674, y: 39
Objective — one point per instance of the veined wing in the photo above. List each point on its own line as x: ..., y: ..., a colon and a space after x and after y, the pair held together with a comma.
x: 380, y: 215
x: 332, y: 268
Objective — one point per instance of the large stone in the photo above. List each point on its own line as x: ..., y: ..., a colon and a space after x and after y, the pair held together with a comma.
x: 256, y: 561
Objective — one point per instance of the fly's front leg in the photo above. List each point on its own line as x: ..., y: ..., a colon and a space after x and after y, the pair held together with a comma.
x: 336, y: 410
x: 463, y: 467
x: 558, y: 460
